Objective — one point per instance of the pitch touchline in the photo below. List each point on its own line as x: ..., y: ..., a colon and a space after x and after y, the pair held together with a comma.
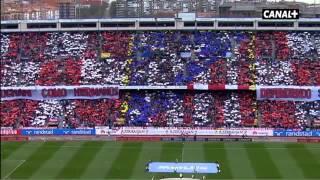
x: 21, y: 162
x: 179, y: 148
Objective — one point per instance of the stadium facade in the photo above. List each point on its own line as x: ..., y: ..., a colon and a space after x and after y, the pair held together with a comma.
x: 160, y: 24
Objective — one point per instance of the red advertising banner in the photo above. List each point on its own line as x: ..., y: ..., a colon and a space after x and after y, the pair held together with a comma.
x: 288, y: 93
x: 8, y: 131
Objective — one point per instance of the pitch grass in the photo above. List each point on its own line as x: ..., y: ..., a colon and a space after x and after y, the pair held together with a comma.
x: 126, y: 160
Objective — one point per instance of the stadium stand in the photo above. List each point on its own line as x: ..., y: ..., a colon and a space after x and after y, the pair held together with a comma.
x: 174, y: 58
x: 161, y: 58
x: 163, y: 108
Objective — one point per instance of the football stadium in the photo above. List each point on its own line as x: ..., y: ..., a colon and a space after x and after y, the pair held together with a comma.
x: 160, y: 90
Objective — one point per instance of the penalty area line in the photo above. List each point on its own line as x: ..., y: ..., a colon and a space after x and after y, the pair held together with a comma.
x: 14, y: 169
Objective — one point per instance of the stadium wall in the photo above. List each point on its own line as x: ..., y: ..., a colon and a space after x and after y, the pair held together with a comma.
x: 134, y: 24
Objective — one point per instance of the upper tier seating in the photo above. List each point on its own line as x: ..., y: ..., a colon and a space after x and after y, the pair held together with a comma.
x: 160, y: 58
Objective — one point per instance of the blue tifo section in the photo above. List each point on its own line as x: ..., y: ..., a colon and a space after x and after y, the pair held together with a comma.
x: 171, y: 167
x: 30, y: 132
x: 293, y: 133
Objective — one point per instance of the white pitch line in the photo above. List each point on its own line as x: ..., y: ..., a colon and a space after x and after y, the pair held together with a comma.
x: 191, y: 148
x: 21, y: 162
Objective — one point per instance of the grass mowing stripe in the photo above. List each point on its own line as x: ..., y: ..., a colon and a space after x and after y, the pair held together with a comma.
x: 193, y: 152
x: 190, y: 150
x: 102, y: 162
x: 35, y: 161
x: 170, y: 152
x: 284, y: 162
x: 50, y: 169
x: 110, y: 152
x: 80, y: 160
x: 125, y: 162
x: 147, y: 154
x: 8, y: 148
x: 261, y: 161
x: 314, y: 149
x: 216, y: 152
x: 22, y: 153
x: 240, y: 165
x: 305, y: 160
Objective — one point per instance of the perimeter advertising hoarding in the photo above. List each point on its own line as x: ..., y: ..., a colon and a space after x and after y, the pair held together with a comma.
x: 131, y: 131
x: 32, y: 132
x: 8, y: 131
x: 152, y: 131
x: 293, y: 133
x: 209, y: 139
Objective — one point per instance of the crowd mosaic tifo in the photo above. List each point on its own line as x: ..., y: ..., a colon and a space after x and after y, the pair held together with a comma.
x: 164, y: 78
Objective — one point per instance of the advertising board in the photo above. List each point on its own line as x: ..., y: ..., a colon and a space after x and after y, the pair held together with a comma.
x: 103, y: 130
x: 32, y: 132
x: 151, y: 131
x: 294, y: 133
x: 8, y: 131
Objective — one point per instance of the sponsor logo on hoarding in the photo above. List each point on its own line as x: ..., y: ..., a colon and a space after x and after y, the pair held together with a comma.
x: 8, y: 131
x: 57, y: 132
x: 187, y: 132
x: 291, y: 133
x: 277, y: 133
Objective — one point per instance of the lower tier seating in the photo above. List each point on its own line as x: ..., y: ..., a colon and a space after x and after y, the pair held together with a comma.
x: 163, y: 108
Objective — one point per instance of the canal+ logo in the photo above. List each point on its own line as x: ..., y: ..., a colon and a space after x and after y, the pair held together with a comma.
x: 280, y: 14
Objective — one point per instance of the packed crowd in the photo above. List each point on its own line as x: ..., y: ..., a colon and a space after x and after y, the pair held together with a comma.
x: 163, y: 108
x: 160, y: 58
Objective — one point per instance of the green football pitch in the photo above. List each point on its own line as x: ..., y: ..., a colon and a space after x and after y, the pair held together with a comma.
x: 126, y: 160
